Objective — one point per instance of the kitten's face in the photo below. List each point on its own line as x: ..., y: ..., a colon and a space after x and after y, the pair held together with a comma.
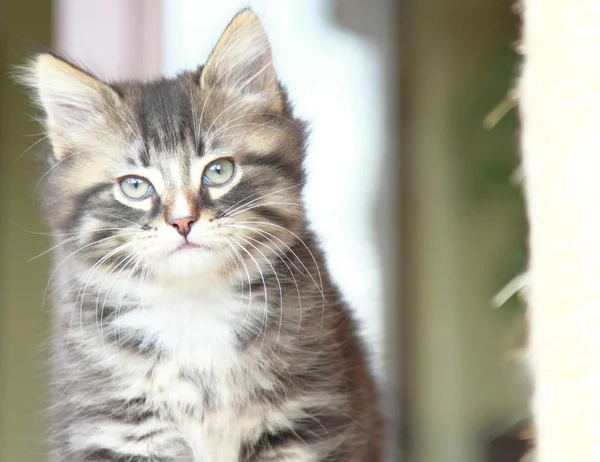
x: 175, y: 178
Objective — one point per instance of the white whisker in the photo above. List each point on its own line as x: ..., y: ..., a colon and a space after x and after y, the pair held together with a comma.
x: 320, y: 285
x: 70, y: 239
x: 249, y: 308
x: 229, y: 210
x: 100, y: 322
x: 247, y: 124
x: 278, y: 285
x: 266, y: 304
x: 86, y: 279
x: 30, y: 147
x: 77, y: 251
x: 291, y: 204
x: 82, y: 151
x: 280, y: 255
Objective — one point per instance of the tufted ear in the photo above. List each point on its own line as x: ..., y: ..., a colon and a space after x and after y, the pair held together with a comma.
x: 75, y: 102
x: 242, y: 60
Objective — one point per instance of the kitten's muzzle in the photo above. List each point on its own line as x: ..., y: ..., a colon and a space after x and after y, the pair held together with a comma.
x: 183, y: 225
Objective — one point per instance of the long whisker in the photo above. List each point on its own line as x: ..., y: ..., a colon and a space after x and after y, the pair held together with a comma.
x: 223, y: 112
x: 100, y: 321
x: 266, y: 235
x: 30, y: 147
x: 232, y: 257
x: 78, y: 281
x: 31, y: 135
x: 124, y: 261
x: 143, y: 278
x: 135, y: 263
x: 278, y: 285
x: 249, y: 308
x: 123, y: 293
x: 131, y: 266
x: 51, y: 249
x: 320, y: 286
x: 299, y: 240
x: 247, y: 124
x: 248, y: 197
x: 280, y: 255
x: 85, y: 281
x: 291, y: 204
x: 136, y: 258
x: 74, y: 237
x: 37, y: 233
x: 229, y: 210
x: 104, y: 214
x: 229, y: 122
x: 77, y: 251
x: 266, y: 304
x: 37, y: 185
x: 97, y: 265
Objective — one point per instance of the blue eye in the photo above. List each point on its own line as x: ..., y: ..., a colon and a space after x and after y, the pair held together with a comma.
x: 218, y: 172
x: 135, y: 187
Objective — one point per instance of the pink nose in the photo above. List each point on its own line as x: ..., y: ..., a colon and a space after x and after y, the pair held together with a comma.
x: 183, y: 225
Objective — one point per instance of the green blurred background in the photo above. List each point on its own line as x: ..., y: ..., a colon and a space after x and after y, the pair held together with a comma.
x: 463, y: 387
x: 23, y: 320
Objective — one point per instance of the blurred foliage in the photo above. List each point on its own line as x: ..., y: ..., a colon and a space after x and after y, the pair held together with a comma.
x: 489, y: 154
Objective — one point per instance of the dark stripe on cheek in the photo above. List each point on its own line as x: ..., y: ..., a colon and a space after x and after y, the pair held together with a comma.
x: 82, y: 201
x: 204, y: 200
x: 245, y: 191
x: 156, y: 209
x: 99, y: 203
x: 115, y: 214
x: 239, y: 194
x: 99, y: 236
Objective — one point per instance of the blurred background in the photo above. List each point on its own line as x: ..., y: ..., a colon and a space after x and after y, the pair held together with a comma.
x: 413, y: 187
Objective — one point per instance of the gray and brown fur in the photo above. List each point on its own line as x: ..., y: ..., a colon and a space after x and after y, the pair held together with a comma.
x: 240, y: 351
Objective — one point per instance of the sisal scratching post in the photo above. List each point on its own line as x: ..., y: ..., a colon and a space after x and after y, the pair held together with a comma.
x: 560, y: 109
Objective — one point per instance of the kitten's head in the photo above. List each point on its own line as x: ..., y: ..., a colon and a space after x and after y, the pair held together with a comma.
x: 174, y: 177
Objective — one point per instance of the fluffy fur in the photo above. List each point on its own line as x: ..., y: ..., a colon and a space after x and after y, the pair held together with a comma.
x: 233, y: 347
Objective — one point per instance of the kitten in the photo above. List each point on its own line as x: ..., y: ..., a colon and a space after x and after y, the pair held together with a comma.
x: 194, y: 317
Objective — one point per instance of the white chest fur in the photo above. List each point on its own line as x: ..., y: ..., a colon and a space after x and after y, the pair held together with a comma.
x: 195, y: 378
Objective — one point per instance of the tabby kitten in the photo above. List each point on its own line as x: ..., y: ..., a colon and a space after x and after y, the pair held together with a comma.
x: 194, y: 317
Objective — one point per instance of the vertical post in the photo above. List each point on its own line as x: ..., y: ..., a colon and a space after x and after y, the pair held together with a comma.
x: 560, y: 108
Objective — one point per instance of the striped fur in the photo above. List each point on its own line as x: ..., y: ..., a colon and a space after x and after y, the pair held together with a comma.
x: 238, y: 349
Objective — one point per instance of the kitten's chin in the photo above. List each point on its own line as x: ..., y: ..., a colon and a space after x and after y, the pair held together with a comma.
x: 188, y: 262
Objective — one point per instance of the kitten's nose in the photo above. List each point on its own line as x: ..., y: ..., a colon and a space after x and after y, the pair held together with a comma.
x: 183, y: 225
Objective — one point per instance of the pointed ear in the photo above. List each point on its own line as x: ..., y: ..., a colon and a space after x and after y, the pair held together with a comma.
x: 75, y: 102
x: 242, y: 60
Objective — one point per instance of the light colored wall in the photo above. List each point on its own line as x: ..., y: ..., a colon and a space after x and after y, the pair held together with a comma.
x: 113, y: 38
